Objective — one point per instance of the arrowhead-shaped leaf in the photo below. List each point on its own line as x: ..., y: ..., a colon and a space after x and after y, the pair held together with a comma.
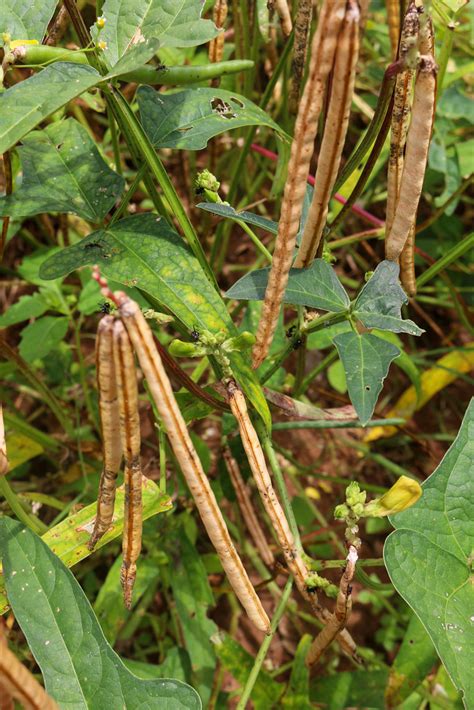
x: 79, y: 667
x: 24, y: 105
x: 379, y: 303
x: 366, y: 360
x: 175, y: 24
x: 188, y: 119
x: 143, y: 251
x: 25, y: 20
x: 63, y: 172
x: 429, y: 558
x: 316, y: 287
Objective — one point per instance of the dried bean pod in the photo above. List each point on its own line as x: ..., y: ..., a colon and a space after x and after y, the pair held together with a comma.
x: 322, y: 54
x: 110, y: 426
x: 334, y: 137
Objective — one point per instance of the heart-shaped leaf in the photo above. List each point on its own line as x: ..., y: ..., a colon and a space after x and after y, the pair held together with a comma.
x: 25, y: 20
x: 188, y: 119
x: 316, y: 287
x: 366, y: 361
x: 80, y: 669
x: 429, y: 558
x: 63, y: 172
x: 68, y: 539
x: 175, y: 24
x: 143, y: 251
x: 379, y: 303
x: 24, y: 105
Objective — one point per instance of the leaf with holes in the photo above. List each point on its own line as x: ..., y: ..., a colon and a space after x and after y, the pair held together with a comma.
x: 25, y: 20
x: 379, y: 303
x: 144, y: 251
x: 429, y: 558
x: 80, y: 669
x: 315, y: 287
x: 24, y: 105
x: 366, y: 361
x: 188, y: 119
x: 63, y: 172
x: 175, y: 24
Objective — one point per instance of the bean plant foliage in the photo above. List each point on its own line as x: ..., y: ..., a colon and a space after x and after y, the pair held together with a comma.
x: 254, y: 380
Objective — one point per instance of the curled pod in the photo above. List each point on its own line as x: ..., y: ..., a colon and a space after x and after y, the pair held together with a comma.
x: 110, y: 427
x: 188, y: 459
x: 323, y: 48
x: 130, y: 434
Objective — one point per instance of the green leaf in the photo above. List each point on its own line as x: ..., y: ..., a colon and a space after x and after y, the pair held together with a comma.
x: 63, y: 172
x: 379, y: 303
x: 429, y: 557
x: 24, y: 105
x: 414, y: 660
x: 316, y: 287
x: 109, y: 608
x: 68, y: 540
x: 135, y: 58
x: 193, y: 595
x: 222, y: 209
x: 297, y: 693
x: 266, y: 691
x: 42, y: 336
x: 25, y: 308
x: 188, y: 119
x: 360, y: 689
x: 143, y: 251
x: 25, y: 20
x: 366, y: 361
x: 175, y: 24
x: 79, y: 667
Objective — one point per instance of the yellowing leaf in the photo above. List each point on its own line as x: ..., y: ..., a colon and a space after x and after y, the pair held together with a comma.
x: 21, y: 448
x: 447, y: 369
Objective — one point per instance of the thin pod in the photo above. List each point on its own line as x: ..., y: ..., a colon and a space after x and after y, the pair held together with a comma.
x: 416, y: 156
x: 247, y: 509
x: 334, y: 137
x: 110, y: 426
x: 393, y: 21
x: 323, y: 48
x: 188, y: 459
x: 216, y: 45
x: 401, y: 110
x: 281, y: 6
x: 302, y: 25
x: 130, y: 433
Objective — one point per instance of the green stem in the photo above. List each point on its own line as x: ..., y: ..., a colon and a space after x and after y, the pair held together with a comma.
x: 453, y: 254
x: 115, y: 141
x: 335, y: 424
x: 260, y: 657
x: 12, y: 499
x: 128, y: 196
x: 162, y: 448
x: 280, y: 483
x: 256, y: 241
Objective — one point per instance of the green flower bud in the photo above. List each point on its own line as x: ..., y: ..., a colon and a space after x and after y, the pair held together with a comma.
x: 241, y: 342
x: 341, y: 511
x: 179, y: 348
x: 205, y: 180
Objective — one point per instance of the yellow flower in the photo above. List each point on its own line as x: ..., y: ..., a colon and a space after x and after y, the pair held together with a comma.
x: 102, y: 45
x: 100, y: 22
x: 403, y: 494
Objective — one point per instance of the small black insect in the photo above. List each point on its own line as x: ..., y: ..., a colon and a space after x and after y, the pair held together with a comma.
x: 93, y: 245
x: 199, y: 190
x: 291, y: 331
x: 298, y: 343
x: 105, y: 307
x: 195, y: 334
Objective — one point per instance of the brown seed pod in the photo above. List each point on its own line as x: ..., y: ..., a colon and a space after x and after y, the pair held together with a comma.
x: 16, y: 682
x: 302, y: 25
x: 216, y: 45
x: 130, y: 434
x: 323, y: 48
x: 188, y: 459
x: 110, y: 425
x: 281, y: 6
x: 246, y: 508
x: 416, y: 156
x: 393, y: 19
x: 334, y: 137
x: 407, y: 265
